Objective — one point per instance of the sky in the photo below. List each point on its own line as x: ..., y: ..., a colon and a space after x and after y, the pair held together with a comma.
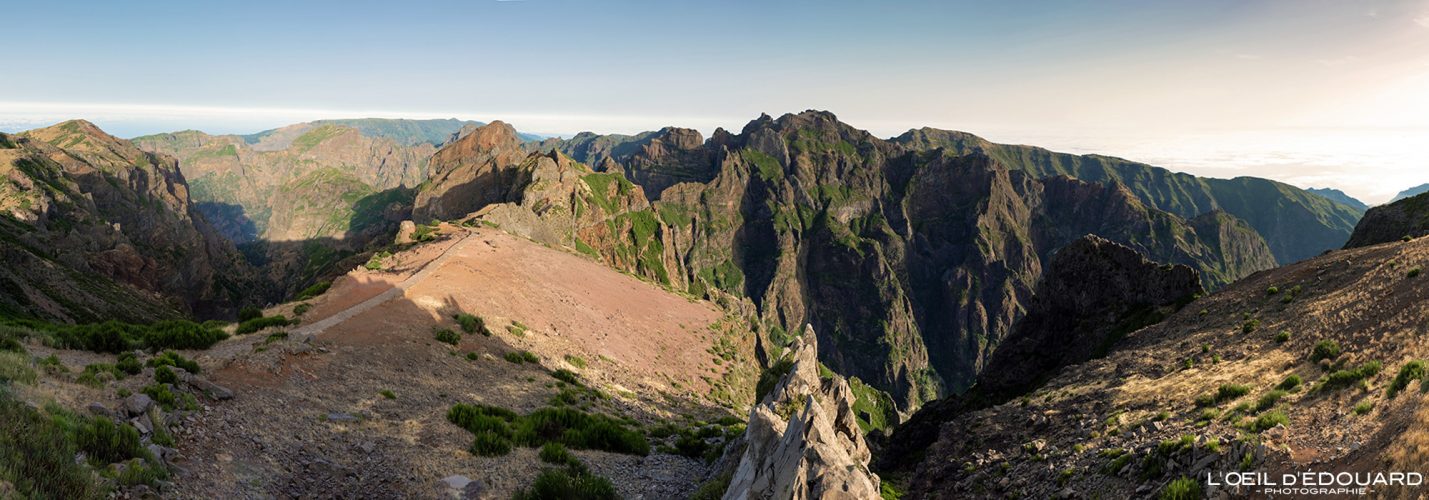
x: 1311, y: 92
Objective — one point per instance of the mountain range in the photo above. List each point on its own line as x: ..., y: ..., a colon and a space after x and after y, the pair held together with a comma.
x: 936, y: 294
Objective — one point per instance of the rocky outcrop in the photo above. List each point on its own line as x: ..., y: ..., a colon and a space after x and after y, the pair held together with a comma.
x: 476, y: 170
x: 98, y: 229
x: 802, y: 441
x: 1385, y: 223
x: 653, y: 160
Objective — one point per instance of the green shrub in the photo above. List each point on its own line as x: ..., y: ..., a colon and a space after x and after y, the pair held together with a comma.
x: 315, y: 290
x: 249, y: 312
x: 1272, y: 290
x: 446, y: 335
x: 171, y: 358
x: 567, y: 483
x: 556, y: 453
x: 161, y: 394
x: 1345, y: 378
x: 1414, y: 273
x: 1268, y: 400
x: 387, y: 394
x: 570, y: 427
x: 488, y: 444
x: 117, y: 337
x: 106, y: 442
x: 37, y: 453
x: 567, y: 376
x: 129, y: 364
x: 15, y: 367
x: 302, y: 309
x: 1283, y: 336
x: 576, y: 361
x: 1290, y: 383
x: 472, y: 356
x: 1206, y: 400
x: 528, y: 357
x: 472, y: 324
x: 1325, y: 349
x: 1250, y: 326
x: 164, y: 375
x: 374, y: 263
x: 1183, y: 488
x: 516, y: 328
x: 714, y: 489
x: 1413, y: 370
x: 257, y: 324
x: 1227, y: 392
x: 514, y: 357
x: 1363, y: 407
x: 1268, y: 420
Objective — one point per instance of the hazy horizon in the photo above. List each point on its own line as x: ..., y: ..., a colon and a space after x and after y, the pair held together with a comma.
x: 1312, y: 93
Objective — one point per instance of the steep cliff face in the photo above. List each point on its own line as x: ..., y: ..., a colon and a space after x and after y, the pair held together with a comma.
x: 95, y: 215
x: 911, y: 265
x: 1092, y: 294
x: 1295, y: 223
x: 1408, y: 217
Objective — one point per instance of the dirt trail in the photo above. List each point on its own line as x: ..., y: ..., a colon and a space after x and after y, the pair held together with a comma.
x: 308, y: 330
x: 311, y: 419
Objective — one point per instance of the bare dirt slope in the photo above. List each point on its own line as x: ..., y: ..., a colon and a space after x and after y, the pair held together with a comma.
x: 310, y: 419
x: 1069, y: 437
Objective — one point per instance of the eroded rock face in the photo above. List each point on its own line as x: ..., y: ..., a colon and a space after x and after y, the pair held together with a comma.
x: 92, y: 215
x: 803, y: 441
x: 476, y: 170
x: 1392, y: 222
x: 1093, y: 292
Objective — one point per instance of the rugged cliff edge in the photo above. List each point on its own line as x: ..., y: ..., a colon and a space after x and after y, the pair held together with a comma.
x: 803, y: 441
x: 1408, y: 217
x: 1093, y: 293
x: 95, y: 229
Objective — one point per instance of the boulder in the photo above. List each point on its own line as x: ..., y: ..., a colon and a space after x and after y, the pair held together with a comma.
x: 209, y: 388
x: 137, y: 404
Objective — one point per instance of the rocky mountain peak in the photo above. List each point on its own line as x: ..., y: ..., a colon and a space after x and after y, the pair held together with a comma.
x: 803, y: 441
x: 1408, y: 217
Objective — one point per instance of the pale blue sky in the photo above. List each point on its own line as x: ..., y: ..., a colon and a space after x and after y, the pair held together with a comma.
x: 1314, y: 92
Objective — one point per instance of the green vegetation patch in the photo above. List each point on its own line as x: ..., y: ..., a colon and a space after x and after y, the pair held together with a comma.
x: 313, y: 291
x: 1340, y: 379
x: 1325, y: 349
x: 316, y: 136
x: 1413, y: 370
x: 257, y: 324
x: 1183, y: 488
x: 570, y: 427
x: 471, y: 324
x: 447, y: 336
x: 117, y: 336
